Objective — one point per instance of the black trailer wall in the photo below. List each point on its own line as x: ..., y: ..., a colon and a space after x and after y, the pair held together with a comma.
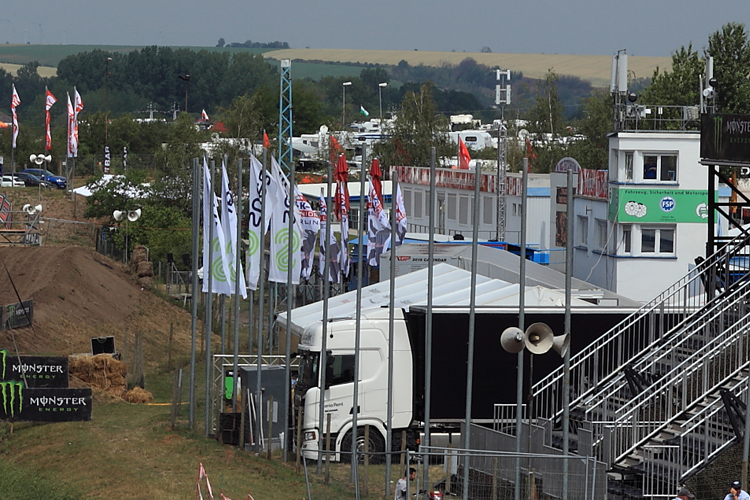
x: 494, y: 378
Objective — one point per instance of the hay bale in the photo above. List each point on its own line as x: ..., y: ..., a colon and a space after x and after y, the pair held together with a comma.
x: 146, y: 282
x: 144, y: 269
x: 138, y: 395
x: 100, y: 372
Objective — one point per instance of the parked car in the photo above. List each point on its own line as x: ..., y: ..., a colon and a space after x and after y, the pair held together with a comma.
x: 31, y: 180
x: 10, y: 181
x: 44, y: 174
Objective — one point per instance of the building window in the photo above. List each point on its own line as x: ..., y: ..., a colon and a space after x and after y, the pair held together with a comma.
x: 660, y: 168
x: 463, y: 210
x: 418, y: 204
x: 657, y: 240
x: 452, y: 207
x: 407, y: 200
x: 628, y: 166
x: 488, y: 209
x: 583, y: 230
x: 601, y: 234
x: 625, y: 246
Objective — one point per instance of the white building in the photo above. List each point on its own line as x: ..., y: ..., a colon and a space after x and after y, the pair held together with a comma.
x: 642, y: 232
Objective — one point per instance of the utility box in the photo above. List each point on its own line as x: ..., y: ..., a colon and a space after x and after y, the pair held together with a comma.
x: 270, y: 407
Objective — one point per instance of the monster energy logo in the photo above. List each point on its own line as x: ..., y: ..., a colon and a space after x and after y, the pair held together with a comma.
x: 12, y: 395
x: 282, y: 256
x: 718, y: 129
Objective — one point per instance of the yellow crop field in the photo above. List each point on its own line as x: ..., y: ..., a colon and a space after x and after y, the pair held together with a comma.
x: 44, y: 71
x: 595, y: 69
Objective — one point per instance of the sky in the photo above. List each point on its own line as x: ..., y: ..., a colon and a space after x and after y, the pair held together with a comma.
x: 597, y: 27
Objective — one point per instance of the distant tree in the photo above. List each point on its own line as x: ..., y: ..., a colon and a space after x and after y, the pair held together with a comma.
x: 678, y: 87
x: 486, y: 50
x: 417, y: 128
x: 595, y: 124
x: 730, y: 49
x: 221, y: 42
x: 548, y: 114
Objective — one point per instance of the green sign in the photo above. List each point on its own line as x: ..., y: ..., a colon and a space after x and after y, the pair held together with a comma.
x: 658, y: 205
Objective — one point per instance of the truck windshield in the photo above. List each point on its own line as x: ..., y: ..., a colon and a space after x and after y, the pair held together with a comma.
x: 308, y: 369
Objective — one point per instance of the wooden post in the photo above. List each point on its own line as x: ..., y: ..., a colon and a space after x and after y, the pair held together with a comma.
x: 299, y: 437
x: 175, y: 381
x: 169, y: 354
x: 328, y: 448
x: 270, y: 426
x: 367, y: 457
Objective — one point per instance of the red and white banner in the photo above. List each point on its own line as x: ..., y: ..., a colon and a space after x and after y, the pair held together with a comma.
x: 71, y: 127
x: 201, y: 475
x: 455, y: 179
x: 400, y: 217
x: 593, y: 183
x: 15, y: 101
x: 77, y: 108
x: 49, y: 102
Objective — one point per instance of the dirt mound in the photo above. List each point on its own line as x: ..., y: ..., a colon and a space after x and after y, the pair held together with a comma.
x: 79, y: 294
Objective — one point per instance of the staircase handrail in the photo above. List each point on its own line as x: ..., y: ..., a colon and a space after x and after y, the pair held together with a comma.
x: 625, y: 335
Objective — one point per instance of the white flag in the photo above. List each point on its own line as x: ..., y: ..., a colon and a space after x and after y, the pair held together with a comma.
x: 229, y: 224
x: 310, y: 225
x: 256, y: 230
x: 217, y: 268
x: 344, y: 235
x: 334, y: 271
x: 280, y: 238
x: 378, y: 228
x: 400, y: 217
x: 77, y: 108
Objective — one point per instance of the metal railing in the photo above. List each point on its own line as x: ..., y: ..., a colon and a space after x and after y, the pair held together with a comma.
x: 602, y: 360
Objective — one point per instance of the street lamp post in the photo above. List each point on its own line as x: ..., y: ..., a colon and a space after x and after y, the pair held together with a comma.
x: 38, y: 160
x: 343, y: 106
x: 381, y: 86
x: 185, y: 78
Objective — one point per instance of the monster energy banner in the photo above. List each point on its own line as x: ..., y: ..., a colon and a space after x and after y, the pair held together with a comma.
x: 725, y: 138
x: 17, y: 315
x: 39, y: 371
x: 19, y: 403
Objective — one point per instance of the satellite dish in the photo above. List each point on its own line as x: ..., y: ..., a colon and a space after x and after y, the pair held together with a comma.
x: 133, y: 215
x: 324, y: 129
x: 523, y: 134
x: 118, y: 215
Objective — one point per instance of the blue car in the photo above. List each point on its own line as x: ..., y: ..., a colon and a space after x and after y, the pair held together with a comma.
x: 44, y: 174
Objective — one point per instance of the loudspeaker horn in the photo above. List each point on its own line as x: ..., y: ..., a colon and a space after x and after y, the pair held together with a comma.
x: 539, y: 338
x: 512, y: 340
x: 133, y: 215
x: 118, y: 215
x: 561, y: 344
x: 26, y: 208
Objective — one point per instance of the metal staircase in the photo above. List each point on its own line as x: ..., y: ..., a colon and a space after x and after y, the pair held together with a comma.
x: 654, y: 389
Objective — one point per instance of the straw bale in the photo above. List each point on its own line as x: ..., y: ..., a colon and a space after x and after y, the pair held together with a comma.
x: 138, y: 395
x: 145, y: 269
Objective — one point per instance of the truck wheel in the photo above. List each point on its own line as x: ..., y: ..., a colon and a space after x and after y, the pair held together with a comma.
x: 376, y: 446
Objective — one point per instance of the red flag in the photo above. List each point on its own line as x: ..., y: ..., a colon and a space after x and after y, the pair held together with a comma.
x: 266, y: 140
x: 15, y: 101
x: 463, y: 155
x: 341, y: 175
x: 71, y: 127
x: 50, y: 101
x: 336, y: 149
x: 375, y: 175
x: 77, y: 108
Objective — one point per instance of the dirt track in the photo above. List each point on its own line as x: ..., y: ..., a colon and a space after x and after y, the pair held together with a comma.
x: 79, y: 294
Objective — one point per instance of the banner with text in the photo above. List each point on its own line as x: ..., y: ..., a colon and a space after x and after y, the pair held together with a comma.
x: 658, y: 205
x: 40, y: 371
x: 25, y: 404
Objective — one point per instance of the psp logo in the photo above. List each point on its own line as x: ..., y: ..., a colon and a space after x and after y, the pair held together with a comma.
x: 667, y: 204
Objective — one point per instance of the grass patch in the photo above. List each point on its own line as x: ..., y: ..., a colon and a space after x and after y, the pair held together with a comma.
x: 18, y: 483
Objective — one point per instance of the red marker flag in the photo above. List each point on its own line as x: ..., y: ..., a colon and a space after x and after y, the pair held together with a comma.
x: 50, y: 101
x: 266, y: 140
x: 463, y: 155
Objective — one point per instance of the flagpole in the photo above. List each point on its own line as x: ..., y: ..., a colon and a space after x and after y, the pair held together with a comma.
x: 237, y: 291
x: 289, y: 297
x: 428, y: 322
x: 208, y: 319
x: 262, y: 251
x: 194, y: 285
x: 324, y: 344
x: 391, y: 308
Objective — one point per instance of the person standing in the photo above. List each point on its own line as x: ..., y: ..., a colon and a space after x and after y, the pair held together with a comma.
x: 736, y: 493
x: 402, y: 485
x: 684, y: 494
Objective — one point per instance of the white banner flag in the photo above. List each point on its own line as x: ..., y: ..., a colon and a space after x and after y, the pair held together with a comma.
x: 217, y: 269
x: 256, y: 229
x: 378, y: 228
x: 229, y: 224
x: 280, y: 238
x: 77, y: 108
x: 15, y: 101
x: 344, y: 235
x: 71, y: 127
x: 400, y: 217
x: 334, y: 271
x: 310, y: 224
